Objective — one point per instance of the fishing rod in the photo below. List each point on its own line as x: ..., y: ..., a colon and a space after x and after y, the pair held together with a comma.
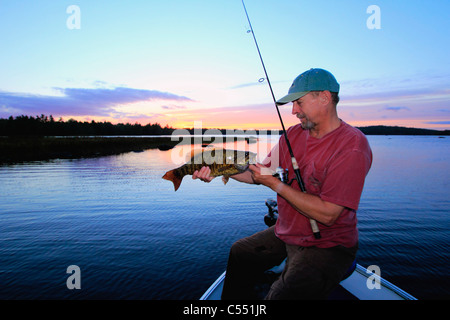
x: 298, y: 177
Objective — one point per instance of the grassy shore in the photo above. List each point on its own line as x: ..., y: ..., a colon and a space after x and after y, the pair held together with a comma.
x: 19, y: 149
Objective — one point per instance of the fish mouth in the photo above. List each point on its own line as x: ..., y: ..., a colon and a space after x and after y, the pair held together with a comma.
x: 249, y: 158
x: 242, y: 167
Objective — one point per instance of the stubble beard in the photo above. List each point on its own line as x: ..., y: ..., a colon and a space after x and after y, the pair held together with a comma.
x: 306, y: 123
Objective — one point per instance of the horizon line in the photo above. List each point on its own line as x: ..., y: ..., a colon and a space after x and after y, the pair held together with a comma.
x: 43, y: 116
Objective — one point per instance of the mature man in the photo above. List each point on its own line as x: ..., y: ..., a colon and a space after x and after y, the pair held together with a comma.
x: 334, y: 159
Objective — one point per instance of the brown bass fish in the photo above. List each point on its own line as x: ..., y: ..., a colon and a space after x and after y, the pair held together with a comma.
x: 222, y: 162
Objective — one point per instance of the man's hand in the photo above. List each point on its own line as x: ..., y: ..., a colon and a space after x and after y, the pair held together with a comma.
x: 263, y: 175
x: 203, y: 174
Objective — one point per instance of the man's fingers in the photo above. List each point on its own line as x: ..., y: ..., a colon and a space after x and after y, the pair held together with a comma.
x: 202, y: 174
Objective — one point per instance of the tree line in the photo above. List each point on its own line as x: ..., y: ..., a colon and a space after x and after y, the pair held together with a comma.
x: 47, y: 126
x: 44, y: 125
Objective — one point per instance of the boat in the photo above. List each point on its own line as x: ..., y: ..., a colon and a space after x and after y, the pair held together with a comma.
x: 359, y: 283
x: 352, y: 288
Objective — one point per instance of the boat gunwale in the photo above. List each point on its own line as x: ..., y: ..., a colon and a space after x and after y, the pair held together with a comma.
x: 383, y: 282
x: 213, y: 287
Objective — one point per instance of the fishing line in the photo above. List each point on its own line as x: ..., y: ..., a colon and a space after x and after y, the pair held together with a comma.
x: 298, y: 177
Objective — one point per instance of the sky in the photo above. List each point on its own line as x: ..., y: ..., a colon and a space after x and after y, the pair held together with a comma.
x: 179, y: 62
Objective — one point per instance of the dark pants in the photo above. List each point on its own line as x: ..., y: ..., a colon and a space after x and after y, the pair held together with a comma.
x: 310, y: 272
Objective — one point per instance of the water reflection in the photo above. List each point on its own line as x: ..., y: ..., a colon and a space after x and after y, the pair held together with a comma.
x: 134, y: 237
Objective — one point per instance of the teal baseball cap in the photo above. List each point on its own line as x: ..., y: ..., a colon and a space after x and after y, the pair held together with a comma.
x: 312, y: 80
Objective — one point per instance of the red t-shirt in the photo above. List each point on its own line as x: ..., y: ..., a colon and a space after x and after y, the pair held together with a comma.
x: 334, y: 168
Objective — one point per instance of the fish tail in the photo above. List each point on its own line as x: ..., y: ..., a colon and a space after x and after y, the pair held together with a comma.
x: 172, y: 176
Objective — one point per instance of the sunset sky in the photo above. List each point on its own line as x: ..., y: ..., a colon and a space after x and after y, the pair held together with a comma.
x: 175, y: 62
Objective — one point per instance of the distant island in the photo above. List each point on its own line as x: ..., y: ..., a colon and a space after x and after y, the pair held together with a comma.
x: 404, y: 131
x: 25, y: 138
x: 47, y: 126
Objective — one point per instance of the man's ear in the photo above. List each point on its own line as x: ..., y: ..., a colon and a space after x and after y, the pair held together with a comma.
x: 325, y: 97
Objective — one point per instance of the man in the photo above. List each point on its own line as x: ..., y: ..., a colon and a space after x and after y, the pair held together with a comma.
x: 334, y: 159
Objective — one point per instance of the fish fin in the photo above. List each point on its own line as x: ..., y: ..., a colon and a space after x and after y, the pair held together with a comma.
x: 170, y: 175
x: 225, y: 179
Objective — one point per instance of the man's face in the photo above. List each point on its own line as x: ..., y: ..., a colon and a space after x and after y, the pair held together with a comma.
x: 307, y: 110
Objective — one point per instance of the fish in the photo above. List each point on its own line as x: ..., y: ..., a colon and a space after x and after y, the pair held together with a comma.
x: 222, y: 162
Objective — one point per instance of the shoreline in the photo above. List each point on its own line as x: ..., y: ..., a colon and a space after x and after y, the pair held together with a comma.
x: 21, y: 149
x: 18, y: 149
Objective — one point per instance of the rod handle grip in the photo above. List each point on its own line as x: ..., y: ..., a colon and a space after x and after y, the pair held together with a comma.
x: 314, y: 226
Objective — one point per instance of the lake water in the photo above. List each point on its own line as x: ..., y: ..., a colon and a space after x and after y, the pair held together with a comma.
x: 133, y: 237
